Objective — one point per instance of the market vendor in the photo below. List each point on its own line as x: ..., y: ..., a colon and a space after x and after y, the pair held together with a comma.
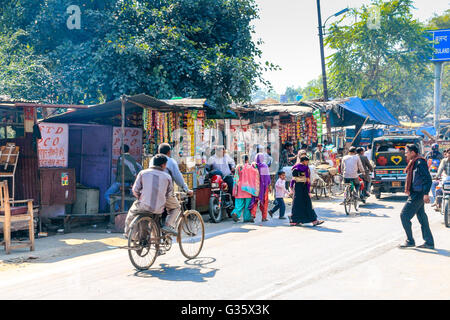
x: 222, y: 163
x: 172, y: 168
x: 288, y: 156
x: 319, y: 154
x: 132, y: 168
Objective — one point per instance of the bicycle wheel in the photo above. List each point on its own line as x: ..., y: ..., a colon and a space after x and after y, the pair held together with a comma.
x: 143, y: 242
x: 191, y: 234
x: 356, y: 202
x: 338, y: 181
x: 347, y: 200
x: 316, y: 191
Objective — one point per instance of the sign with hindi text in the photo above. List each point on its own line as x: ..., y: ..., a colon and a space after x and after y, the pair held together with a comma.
x: 53, y: 148
x: 441, y: 46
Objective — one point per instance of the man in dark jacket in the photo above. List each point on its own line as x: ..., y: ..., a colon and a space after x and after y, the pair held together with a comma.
x: 418, y: 185
x: 367, y: 170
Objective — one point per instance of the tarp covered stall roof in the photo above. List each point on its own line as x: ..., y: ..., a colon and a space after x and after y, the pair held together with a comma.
x: 293, y: 109
x: 354, y: 110
x: 132, y: 104
x: 266, y: 109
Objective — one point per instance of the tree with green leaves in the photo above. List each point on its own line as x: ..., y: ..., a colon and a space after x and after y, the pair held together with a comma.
x: 22, y: 74
x: 388, y: 62
x: 168, y: 48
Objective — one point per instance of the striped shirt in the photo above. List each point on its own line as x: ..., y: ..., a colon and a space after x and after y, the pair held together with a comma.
x: 153, y: 186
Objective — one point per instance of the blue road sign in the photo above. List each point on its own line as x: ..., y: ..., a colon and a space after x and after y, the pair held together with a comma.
x: 441, y: 46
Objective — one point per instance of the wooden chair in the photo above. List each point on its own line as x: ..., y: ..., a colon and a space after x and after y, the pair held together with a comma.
x: 10, y: 214
x: 9, y: 155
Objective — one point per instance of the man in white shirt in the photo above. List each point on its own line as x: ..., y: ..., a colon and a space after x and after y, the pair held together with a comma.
x: 351, y: 165
x: 368, y: 152
x: 222, y: 162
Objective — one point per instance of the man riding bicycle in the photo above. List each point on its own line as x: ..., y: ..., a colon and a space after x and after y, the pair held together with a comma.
x: 154, y: 190
x: 351, y: 164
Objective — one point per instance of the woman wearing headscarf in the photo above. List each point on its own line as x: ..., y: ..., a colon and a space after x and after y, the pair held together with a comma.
x: 246, y: 185
x: 302, y: 210
x: 264, y: 184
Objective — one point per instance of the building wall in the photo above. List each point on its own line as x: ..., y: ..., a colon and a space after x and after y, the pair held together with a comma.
x: 26, y: 178
x: 90, y: 151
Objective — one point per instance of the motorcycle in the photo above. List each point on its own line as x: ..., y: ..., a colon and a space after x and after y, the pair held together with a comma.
x: 221, y: 202
x: 445, y: 186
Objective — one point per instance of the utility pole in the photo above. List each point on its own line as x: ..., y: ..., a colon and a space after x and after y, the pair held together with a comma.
x: 437, y: 96
x: 322, y: 55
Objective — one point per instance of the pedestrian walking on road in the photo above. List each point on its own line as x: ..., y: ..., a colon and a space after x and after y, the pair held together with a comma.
x: 246, y: 185
x: 280, y: 193
x: 264, y: 186
x: 302, y: 210
x: 418, y: 185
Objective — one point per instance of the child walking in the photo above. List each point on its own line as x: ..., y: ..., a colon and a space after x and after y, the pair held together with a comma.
x: 280, y: 193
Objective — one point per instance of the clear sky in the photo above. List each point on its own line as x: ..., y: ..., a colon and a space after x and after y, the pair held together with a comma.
x: 289, y: 29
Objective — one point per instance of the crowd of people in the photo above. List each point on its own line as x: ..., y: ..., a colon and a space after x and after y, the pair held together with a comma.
x: 250, y: 184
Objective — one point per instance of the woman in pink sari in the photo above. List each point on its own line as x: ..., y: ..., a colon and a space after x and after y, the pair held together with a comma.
x: 264, y: 184
x: 246, y: 185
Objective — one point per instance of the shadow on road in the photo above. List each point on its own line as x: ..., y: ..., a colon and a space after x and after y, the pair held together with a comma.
x: 178, y: 273
x: 340, y: 216
x: 375, y: 206
x: 394, y: 198
x: 200, y: 261
x: 322, y: 229
x: 441, y: 252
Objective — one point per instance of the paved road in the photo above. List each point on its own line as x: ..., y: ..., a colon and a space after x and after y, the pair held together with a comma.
x: 348, y: 257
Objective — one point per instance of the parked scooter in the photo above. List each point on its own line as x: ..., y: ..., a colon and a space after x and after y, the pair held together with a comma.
x: 221, y: 202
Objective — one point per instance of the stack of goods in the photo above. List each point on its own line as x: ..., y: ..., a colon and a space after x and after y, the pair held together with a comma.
x: 283, y: 134
x: 160, y: 127
x: 189, y: 178
x: 318, y: 119
x: 299, y: 130
x: 311, y: 133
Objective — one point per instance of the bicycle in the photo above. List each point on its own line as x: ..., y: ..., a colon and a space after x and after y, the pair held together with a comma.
x: 351, y: 197
x: 147, y: 241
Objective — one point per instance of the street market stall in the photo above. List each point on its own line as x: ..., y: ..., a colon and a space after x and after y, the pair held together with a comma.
x: 142, y: 122
x: 31, y: 160
x: 281, y: 123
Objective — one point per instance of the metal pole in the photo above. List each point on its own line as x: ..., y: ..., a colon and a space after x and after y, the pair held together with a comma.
x: 437, y: 95
x: 122, y: 98
x: 322, y: 55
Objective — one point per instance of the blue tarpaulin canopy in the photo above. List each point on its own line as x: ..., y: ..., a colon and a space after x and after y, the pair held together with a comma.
x: 355, y: 110
x: 431, y: 130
